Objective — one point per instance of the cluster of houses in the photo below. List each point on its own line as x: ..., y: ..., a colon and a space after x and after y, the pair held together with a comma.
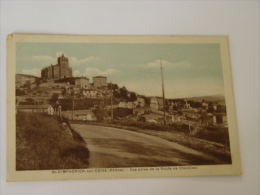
x: 83, y: 88
x: 139, y: 103
x: 191, y: 110
x: 188, y: 114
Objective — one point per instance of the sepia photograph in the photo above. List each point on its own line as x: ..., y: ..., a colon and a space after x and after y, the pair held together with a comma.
x: 93, y: 107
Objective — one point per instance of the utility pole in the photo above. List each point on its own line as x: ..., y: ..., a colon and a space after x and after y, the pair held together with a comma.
x: 189, y: 126
x: 38, y: 105
x: 111, y: 100
x: 72, y: 106
x: 60, y: 112
x: 164, y: 113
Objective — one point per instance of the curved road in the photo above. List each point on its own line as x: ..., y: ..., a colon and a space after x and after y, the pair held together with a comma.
x: 111, y: 147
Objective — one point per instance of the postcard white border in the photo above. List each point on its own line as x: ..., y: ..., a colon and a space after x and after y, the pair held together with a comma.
x: 15, y: 176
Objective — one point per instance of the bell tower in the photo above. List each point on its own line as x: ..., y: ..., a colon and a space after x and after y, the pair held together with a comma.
x: 63, y: 63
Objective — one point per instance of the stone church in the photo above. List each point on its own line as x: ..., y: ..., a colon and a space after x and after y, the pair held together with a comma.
x: 60, y: 70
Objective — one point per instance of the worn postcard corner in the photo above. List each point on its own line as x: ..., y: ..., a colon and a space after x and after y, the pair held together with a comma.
x: 9, y: 36
x: 101, y: 107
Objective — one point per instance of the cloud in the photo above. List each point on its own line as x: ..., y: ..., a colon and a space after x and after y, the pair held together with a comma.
x: 45, y: 58
x: 90, y: 72
x: 42, y: 61
x: 34, y: 72
x: 75, y: 62
x: 157, y: 63
x: 59, y: 54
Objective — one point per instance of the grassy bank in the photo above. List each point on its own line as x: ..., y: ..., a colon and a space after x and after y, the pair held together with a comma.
x: 219, y: 149
x: 44, y: 143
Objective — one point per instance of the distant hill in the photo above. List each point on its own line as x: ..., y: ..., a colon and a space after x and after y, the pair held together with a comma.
x: 216, y: 98
x: 27, y: 75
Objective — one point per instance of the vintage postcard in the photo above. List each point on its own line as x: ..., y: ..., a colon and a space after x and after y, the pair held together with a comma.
x: 100, y: 107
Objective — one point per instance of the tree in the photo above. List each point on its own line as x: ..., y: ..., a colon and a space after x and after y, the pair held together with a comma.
x: 100, y: 113
x: 133, y: 97
x: 123, y: 93
x: 19, y: 92
x: 146, y: 100
x: 30, y: 100
x: 27, y: 85
x: 114, y: 86
x: 167, y: 108
x: 72, y: 93
x: 37, y: 81
x: 221, y: 109
x: 117, y: 94
x: 54, y: 98
x: 64, y: 91
x: 174, y: 107
x: 180, y: 113
x: 211, y: 109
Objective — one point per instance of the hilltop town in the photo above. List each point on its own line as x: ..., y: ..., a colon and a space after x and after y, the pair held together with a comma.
x: 199, y: 123
x: 58, y: 92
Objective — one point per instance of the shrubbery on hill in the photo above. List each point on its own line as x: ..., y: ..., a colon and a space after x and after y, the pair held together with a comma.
x: 79, y: 104
x: 70, y: 80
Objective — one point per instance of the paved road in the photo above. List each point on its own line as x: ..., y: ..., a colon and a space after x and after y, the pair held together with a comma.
x: 111, y: 147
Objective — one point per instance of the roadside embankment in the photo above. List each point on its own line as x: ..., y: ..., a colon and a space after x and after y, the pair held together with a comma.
x: 44, y: 143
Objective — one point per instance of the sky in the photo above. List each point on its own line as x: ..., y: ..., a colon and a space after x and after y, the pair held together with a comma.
x: 189, y: 70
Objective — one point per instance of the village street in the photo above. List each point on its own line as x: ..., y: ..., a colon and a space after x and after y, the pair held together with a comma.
x: 111, y: 147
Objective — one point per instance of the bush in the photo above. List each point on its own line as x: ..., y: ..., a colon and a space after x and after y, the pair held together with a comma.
x: 142, y: 119
x: 80, y: 104
x: 219, y: 135
x: 180, y: 127
x: 122, y: 112
x: 100, y: 113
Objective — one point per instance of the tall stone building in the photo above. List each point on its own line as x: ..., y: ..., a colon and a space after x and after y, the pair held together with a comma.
x: 100, y: 82
x: 60, y: 70
x: 82, y: 82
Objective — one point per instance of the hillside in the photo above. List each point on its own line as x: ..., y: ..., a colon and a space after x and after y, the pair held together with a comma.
x: 42, y: 143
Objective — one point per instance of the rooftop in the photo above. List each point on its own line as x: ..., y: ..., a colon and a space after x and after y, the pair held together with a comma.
x: 99, y: 77
x: 34, y: 106
x: 81, y: 78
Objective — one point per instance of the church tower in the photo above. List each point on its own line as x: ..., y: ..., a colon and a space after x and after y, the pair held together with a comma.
x: 63, y: 63
x: 60, y: 70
